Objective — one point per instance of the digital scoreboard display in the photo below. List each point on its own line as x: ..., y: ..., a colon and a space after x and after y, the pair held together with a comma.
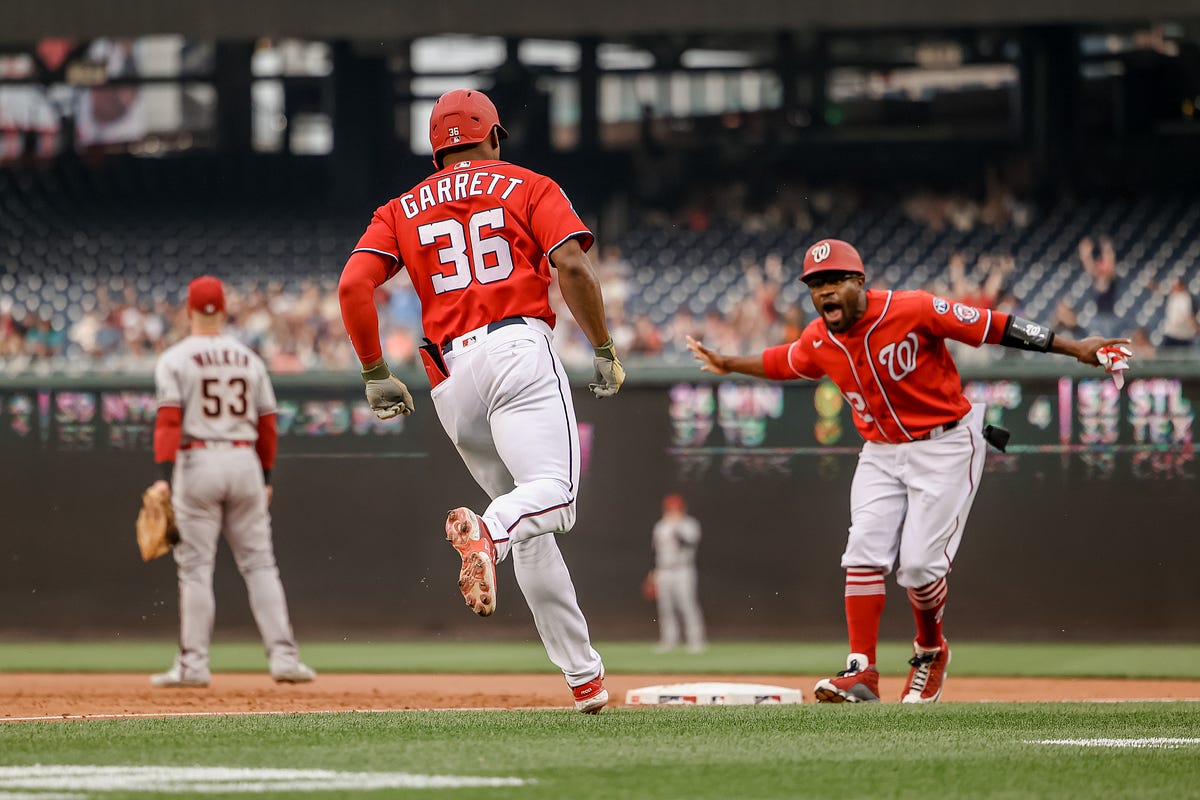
x: 1151, y: 420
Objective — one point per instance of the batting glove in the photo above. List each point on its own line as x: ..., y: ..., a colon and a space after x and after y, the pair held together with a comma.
x: 609, y: 372
x: 386, y: 394
x: 1115, y: 360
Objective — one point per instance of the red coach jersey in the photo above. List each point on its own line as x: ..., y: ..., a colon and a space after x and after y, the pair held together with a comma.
x: 475, y: 239
x: 892, y: 366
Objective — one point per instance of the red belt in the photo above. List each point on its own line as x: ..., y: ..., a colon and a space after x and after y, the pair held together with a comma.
x: 200, y: 444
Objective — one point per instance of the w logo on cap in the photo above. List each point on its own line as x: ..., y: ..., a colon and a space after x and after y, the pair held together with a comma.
x: 820, y: 252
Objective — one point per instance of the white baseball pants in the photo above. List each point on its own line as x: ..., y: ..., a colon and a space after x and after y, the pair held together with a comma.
x: 912, y: 500
x: 215, y: 491
x: 679, y: 599
x: 507, y: 408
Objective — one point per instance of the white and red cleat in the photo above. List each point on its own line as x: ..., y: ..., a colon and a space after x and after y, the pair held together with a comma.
x: 928, y: 674
x: 857, y: 683
x: 591, y: 696
x: 477, y: 578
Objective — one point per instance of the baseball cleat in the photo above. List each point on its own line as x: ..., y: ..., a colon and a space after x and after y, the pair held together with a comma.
x: 301, y: 673
x: 477, y: 578
x: 857, y: 683
x: 928, y: 674
x: 591, y: 696
x: 174, y: 679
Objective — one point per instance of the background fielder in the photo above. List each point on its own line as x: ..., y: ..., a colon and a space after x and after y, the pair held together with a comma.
x: 920, y: 466
x: 479, y: 238
x: 214, y: 440
x: 675, y: 539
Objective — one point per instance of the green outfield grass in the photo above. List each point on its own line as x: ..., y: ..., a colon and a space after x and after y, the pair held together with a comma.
x: 970, y: 658
x: 809, y: 751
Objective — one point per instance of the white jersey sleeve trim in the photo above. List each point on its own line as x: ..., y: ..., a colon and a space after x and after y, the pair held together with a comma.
x: 986, y: 328
x: 799, y: 374
x: 569, y: 237
x: 392, y: 256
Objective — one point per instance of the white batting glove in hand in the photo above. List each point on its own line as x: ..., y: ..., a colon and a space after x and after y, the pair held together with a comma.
x: 609, y: 372
x: 1115, y: 360
x: 387, y: 394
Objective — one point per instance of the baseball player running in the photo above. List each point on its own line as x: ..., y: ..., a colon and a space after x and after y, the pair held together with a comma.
x: 478, y: 238
x: 920, y: 466
x: 214, y: 441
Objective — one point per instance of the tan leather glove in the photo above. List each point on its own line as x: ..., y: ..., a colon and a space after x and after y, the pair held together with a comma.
x: 609, y: 372
x: 386, y: 394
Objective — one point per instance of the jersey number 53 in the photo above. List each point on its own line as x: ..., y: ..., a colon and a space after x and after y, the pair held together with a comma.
x: 228, y: 400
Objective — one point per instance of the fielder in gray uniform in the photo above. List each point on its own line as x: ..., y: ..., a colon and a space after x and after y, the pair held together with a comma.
x: 676, y: 539
x: 214, y: 441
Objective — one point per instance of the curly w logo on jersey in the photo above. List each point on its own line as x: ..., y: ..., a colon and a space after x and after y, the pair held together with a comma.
x: 900, y: 357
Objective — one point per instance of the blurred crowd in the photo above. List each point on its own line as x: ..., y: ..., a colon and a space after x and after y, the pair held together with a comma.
x: 296, y: 327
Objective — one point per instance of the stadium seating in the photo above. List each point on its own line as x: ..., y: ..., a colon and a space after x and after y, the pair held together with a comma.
x: 67, y: 234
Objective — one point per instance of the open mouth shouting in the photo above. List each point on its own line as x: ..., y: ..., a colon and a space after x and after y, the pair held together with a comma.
x: 833, y: 313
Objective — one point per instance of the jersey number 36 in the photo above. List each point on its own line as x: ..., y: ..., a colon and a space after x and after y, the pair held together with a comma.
x: 489, y: 257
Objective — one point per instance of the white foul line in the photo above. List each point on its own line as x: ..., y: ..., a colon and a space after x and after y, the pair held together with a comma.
x: 1152, y: 741
x: 225, y: 780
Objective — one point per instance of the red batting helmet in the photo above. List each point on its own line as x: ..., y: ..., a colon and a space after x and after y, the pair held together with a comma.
x: 462, y: 116
x: 674, y: 502
x: 831, y: 255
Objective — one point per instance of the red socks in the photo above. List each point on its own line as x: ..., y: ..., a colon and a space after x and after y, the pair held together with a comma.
x: 864, y: 606
x: 928, y: 603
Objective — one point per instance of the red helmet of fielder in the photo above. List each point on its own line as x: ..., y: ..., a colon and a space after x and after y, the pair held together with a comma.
x: 831, y: 255
x: 462, y: 116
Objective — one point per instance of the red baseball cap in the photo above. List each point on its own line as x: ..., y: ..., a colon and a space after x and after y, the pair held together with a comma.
x: 462, y: 116
x: 831, y: 255
x: 206, y: 295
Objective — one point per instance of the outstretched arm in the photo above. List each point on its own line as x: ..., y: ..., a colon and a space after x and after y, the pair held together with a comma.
x: 722, y: 365
x: 1084, y: 350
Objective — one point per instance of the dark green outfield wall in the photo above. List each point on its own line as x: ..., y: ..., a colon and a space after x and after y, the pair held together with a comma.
x: 1061, y: 544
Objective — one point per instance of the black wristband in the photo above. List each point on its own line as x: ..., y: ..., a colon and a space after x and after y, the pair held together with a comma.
x: 165, y: 470
x: 1025, y: 335
x: 266, y: 476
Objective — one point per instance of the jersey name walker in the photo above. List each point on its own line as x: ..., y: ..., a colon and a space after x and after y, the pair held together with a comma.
x: 475, y: 238
x: 892, y: 365
x: 220, y: 384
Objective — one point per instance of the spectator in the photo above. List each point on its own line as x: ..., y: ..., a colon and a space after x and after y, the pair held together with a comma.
x: 1066, y: 321
x: 1179, y: 323
x: 1143, y: 348
x: 964, y: 290
x: 1103, y: 271
x: 647, y: 341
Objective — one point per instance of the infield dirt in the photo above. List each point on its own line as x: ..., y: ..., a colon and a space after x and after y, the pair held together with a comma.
x: 81, y: 695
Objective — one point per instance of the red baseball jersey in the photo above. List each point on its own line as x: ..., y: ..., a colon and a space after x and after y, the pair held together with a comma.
x: 892, y: 366
x: 475, y: 238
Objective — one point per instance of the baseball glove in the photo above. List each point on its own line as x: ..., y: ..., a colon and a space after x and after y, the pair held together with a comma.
x: 156, y: 531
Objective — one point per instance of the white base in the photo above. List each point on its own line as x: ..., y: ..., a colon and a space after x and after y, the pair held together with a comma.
x: 712, y: 694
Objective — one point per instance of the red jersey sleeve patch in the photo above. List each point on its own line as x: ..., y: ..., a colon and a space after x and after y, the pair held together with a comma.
x: 949, y: 319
